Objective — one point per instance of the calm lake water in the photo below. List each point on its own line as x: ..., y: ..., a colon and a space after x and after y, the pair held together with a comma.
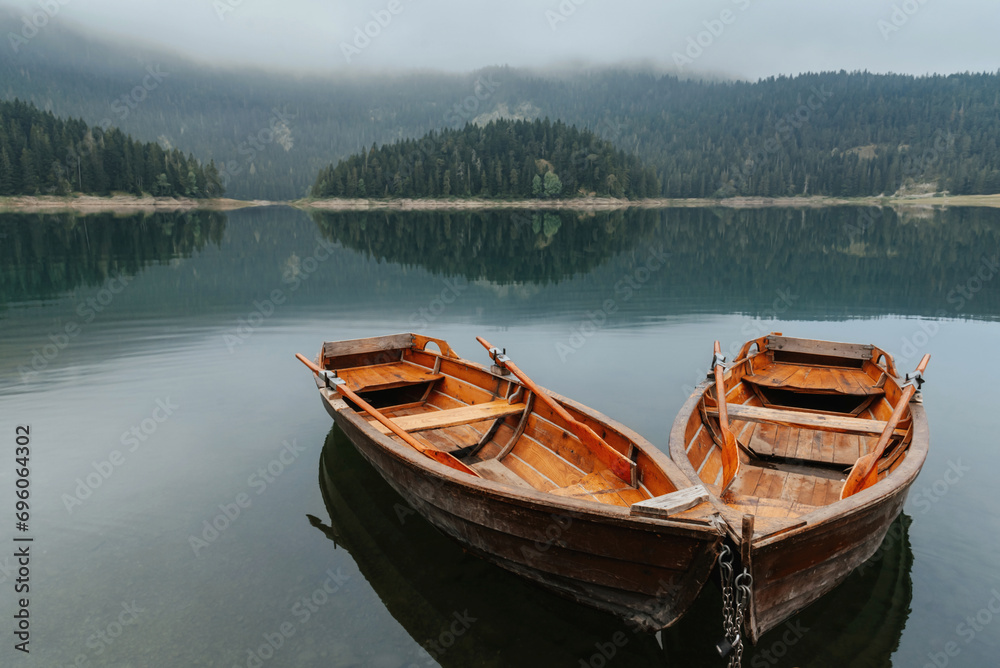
x: 152, y: 358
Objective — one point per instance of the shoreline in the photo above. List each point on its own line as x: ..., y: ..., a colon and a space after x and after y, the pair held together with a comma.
x: 124, y: 204
x: 128, y: 204
x: 609, y: 203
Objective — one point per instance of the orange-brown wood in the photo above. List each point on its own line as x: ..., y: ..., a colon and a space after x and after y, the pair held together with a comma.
x: 546, y: 462
x: 620, y: 465
x: 711, y: 470
x: 795, y: 418
x: 457, y: 416
x: 385, y: 376
x: 560, y: 442
x: 822, y: 406
x: 528, y: 473
x: 787, y: 375
x: 437, y: 455
x: 730, y: 451
x: 865, y: 472
x: 701, y: 447
x: 639, y: 568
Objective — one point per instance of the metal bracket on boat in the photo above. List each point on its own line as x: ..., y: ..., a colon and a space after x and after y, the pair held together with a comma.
x: 916, y: 379
x: 500, y: 360
x: 331, y: 379
x: 717, y: 359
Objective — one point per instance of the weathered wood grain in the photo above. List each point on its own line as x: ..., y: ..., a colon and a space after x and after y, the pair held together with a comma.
x: 455, y: 416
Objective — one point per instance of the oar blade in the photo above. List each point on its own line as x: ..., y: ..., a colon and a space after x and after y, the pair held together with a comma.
x: 449, y: 460
x: 860, y: 476
x: 730, y: 459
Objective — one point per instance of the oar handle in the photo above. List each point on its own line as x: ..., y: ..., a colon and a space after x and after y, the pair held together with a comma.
x: 923, y: 363
x: 507, y: 362
x: 437, y: 455
x: 309, y: 363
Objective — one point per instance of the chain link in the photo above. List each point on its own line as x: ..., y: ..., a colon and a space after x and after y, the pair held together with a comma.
x: 744, y: 583
x: 734, y: 605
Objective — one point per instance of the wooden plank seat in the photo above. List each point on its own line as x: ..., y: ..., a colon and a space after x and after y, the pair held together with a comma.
x: 453, y: 417
x: 816, y: 421
x: 831, y: 440
x: 386, y: 376
x: 814, y: 379
x: 671, y: 503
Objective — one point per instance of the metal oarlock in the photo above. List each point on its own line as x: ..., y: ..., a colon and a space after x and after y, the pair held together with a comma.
x: 500, y: 360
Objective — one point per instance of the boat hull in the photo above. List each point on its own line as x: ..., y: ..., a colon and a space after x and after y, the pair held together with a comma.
x: 647, y: 572
x: 798, y: 558
x: 792, y: 572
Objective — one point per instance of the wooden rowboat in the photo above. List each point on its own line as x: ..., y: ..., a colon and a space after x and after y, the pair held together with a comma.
x: 773, y: 449
x: 534, y: 482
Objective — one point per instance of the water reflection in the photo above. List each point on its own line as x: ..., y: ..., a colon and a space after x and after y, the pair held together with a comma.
x: 830, y: 261
x: 427, y: 582
x: 424, y: 580
x: 811, y: 264
x: 858, y: 624
x: 501, y: 247
x: 46, y: 255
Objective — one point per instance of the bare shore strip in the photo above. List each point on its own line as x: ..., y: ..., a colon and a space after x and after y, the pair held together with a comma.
x: 123, y: 204
x: 128, y: 204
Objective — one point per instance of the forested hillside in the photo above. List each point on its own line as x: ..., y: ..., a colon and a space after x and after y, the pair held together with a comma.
x: 503, y: 159
x: 834, y: 133
x: 44, y: 155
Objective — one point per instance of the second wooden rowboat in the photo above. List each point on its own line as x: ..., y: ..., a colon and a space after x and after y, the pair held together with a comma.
x: 532, y: 481
x: 800, y: 414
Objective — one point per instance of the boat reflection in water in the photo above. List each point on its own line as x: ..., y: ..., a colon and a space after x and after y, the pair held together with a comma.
x: 858, y: 624
x: 428, y: 583
x: 431, y: 586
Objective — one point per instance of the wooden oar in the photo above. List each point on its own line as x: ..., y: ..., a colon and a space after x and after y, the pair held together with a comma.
x: 619, y: 464
x: 341, y: 387
x: 864, y: 473
x: 730, y: 450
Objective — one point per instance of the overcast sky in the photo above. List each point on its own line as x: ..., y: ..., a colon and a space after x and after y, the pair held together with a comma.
x: 747, y: 38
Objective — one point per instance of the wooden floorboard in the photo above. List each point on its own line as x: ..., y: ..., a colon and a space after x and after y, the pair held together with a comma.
x: 814, y: 378
x: 746, y: 481
x: 386, y: 376
x: 603, y: 487
x: 493, y: 470
x: 528, y: 473
x: 546, y: 462
x: 809, y: 445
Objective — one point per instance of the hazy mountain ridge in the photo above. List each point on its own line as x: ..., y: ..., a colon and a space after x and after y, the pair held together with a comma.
x: 271, y: 133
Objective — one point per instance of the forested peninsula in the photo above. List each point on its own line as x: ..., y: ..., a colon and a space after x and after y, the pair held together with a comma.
x: 512, y: 159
